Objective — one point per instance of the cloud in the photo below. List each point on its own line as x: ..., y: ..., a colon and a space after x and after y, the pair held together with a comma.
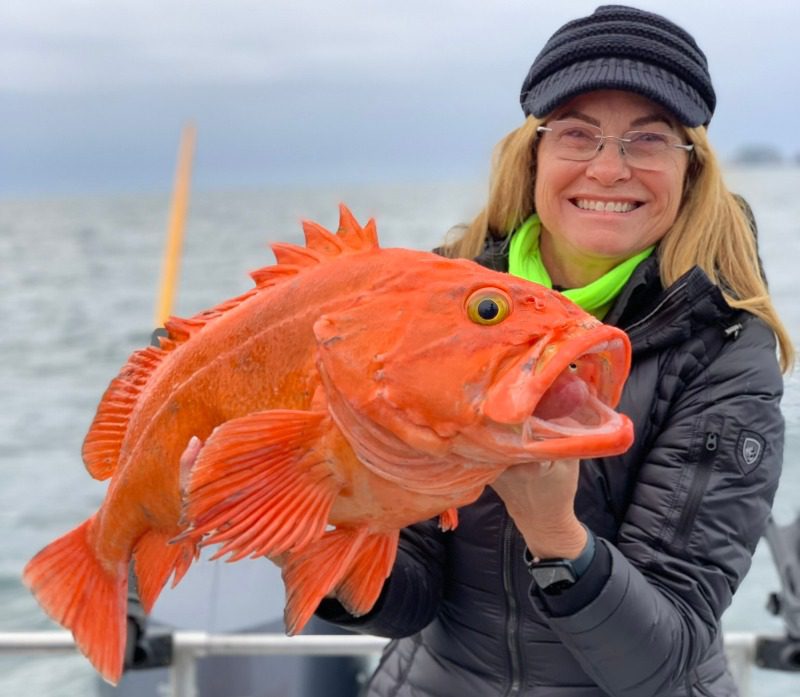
x: 63, y: 45
x: 84, y: 45
x: 310, y: 86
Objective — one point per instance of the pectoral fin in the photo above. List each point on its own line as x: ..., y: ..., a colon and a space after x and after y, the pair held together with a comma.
x: 448, y: 520
x: 261, y: 484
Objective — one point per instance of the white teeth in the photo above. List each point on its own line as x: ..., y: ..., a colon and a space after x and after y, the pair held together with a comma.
x: 605, y: 206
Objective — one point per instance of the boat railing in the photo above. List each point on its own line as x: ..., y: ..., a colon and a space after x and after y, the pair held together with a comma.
x: 180, y: 650
x: 183, y: 648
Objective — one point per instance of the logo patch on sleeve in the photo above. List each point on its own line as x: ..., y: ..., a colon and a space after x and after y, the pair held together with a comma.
x: 749, y: 451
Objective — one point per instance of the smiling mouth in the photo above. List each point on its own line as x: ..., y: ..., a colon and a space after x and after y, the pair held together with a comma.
x: 586, y: 204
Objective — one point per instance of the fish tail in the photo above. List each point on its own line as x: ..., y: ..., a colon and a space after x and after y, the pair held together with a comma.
x: 348, y: 561
x: 84, y: 595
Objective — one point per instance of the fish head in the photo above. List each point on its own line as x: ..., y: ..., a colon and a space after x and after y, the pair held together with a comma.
x: 448, y: 362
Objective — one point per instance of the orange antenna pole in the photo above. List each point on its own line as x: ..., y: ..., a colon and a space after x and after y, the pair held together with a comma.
x: 177, y: 223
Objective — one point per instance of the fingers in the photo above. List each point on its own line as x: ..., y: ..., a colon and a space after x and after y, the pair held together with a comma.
x: 192, y: 451
x: 187, y: 461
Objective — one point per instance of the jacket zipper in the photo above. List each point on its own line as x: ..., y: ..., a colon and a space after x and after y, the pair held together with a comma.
x: 512, y: 620
x: 666, y: 299
x: 702, y: 473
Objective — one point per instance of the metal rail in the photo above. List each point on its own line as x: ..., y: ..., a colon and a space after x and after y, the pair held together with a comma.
x: 188, y: 646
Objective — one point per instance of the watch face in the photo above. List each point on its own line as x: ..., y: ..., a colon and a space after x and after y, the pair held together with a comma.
x: 554, y: 572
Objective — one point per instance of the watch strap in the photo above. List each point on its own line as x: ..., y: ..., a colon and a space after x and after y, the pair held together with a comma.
x: 561, y: 573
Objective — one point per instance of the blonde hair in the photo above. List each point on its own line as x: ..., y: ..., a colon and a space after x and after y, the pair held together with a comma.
x: 712, y: 229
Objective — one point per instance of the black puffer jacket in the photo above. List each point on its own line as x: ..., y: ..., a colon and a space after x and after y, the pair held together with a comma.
x: 677, y: 518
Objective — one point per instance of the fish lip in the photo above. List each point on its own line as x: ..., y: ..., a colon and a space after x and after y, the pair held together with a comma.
x: 601, y: 434
x: 513, y: 398
x: 542, y: 441
x: 535, y: 429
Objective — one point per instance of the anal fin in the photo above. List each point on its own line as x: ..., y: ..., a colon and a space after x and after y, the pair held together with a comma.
x: 361, y: 585
x: 348, y: 561
x: 156, y: 558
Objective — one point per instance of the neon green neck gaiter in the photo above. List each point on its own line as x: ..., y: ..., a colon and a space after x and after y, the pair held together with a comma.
x: 525, y: 261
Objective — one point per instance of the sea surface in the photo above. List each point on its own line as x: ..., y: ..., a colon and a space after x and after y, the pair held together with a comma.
x: 78, y: 284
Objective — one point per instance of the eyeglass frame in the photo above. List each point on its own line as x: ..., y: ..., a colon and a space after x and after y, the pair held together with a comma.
x: 621, y: 140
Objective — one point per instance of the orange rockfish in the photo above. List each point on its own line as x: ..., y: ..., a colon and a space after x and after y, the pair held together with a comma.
x: 354, y: 391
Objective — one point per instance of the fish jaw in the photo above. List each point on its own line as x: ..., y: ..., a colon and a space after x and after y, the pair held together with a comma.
x: 558, y: 399
x: 419, y: 460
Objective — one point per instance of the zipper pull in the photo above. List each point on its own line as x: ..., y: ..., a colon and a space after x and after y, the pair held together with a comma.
x: 732, y: 332
x: 711, y: 441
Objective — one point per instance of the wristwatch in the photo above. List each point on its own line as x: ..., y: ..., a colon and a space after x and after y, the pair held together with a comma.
x: 555, y: 575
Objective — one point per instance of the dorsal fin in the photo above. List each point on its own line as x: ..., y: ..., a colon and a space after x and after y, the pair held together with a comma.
x: 321, y: 240
x: 103, y: 442
x: 180, y: 330
x: 270, y: 275
x: 350, y: 237
x: 348, y: 225
x: 357, y: 238
x: 321, y: 244
x: 102, y: 445
x: 295, y: 256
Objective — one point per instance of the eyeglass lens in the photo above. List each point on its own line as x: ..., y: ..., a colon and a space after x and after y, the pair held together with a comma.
x: 643, y: 149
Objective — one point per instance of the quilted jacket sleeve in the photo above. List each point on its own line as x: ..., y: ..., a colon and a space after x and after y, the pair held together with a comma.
x: 699, y: 507
x: 410, y: 598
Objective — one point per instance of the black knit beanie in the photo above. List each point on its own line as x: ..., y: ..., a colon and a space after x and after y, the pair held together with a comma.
x: 622, y: 48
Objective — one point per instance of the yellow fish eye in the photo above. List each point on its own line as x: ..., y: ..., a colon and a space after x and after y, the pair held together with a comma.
x: 488, y: 306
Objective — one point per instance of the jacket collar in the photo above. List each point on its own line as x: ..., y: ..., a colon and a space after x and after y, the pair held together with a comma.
x: 656, y: 318
x: 653, y: 316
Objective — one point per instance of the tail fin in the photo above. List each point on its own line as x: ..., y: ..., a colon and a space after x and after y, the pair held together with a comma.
x: 85, y: 596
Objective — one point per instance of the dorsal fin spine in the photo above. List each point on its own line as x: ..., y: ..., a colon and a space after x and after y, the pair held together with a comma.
x: 321, y: 240
x: 270, y: 275
x: 294, y: 255
x: 348, y: 225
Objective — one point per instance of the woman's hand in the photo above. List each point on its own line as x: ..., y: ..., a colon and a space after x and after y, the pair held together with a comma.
x: 540, y: 498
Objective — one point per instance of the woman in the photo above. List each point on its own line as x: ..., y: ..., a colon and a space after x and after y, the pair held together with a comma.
x: 609, y: 577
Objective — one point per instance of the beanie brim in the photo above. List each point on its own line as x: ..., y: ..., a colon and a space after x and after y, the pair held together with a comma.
x: 613, y: 73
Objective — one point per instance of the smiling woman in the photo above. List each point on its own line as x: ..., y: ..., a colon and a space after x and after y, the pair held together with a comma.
x: 600, y: 210
x: 609, y: 575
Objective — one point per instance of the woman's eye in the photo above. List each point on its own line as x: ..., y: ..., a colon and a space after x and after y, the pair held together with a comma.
x: 658, y: 139
x: 488, y: 306
x: 577, y: 134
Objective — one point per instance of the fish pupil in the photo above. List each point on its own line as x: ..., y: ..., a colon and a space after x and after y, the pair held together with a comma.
x: 488, y: 309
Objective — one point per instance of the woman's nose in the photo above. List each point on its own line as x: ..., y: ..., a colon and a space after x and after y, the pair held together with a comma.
x: 609, y: 164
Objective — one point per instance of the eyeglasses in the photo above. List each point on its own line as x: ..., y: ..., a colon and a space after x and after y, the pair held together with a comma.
x: 578, y: 141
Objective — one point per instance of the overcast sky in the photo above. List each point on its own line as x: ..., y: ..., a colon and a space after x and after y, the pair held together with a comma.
x: 93, y: 92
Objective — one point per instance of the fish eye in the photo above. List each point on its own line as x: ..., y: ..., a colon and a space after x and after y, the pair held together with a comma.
x: 488, y: 306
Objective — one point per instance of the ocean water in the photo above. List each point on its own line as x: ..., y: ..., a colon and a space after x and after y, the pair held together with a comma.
x: 78, y: 281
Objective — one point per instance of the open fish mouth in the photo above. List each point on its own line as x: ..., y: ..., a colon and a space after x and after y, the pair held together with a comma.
x: 560, y: 398
x: 571, y: 406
